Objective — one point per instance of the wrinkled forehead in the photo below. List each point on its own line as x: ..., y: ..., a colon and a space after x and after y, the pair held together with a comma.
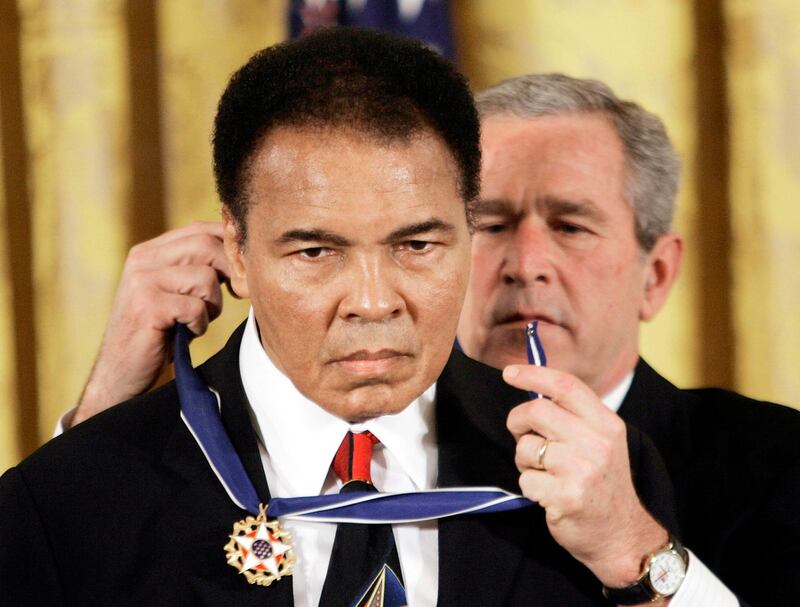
x: 342, y: 159
x: 558, y: 152
x: 340, y: 181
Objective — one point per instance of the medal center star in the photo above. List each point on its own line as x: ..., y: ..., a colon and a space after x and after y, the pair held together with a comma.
x: 261, y: 550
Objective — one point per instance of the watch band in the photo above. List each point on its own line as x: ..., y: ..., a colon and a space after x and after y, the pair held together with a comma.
x: 641, y: 591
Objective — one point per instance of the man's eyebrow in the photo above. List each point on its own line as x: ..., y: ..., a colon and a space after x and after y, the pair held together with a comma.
x: 551, y: 204
x: 493, y: 206
x: 579, y: 208
x: 313, y: 235
x: 415, y: 229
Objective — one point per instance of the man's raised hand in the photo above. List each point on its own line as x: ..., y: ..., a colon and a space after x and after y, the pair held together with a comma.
x: 582, y: 477
x: 172, y: 278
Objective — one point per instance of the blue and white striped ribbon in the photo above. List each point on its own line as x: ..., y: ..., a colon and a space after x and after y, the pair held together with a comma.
x: 535, y: 351
x: 200, y: 411
x: 410, y: 507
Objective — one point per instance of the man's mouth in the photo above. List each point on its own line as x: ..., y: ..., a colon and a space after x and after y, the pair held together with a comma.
x: 371, y: 355
x: 370, y: 362
x: 521, y: 319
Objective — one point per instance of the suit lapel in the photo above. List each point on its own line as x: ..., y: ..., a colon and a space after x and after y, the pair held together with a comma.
x: 661, y: 412
x: 217, y: 514
x: 221, y: 372
x: 658, y: 409
x: 478, y: 555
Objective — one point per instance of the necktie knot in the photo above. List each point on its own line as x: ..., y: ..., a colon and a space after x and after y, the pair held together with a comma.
x: 354, y: 457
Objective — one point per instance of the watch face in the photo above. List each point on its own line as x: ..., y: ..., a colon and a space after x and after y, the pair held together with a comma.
x: 667, y: 571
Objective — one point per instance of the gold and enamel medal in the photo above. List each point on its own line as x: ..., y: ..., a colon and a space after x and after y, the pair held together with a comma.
x: 260, y: 549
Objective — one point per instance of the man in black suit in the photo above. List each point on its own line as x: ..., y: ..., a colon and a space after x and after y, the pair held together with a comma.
x: 573, y: 228
x: 345, y: 162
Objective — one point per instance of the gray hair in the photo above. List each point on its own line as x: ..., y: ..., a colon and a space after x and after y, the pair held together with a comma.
x: 653, y: 168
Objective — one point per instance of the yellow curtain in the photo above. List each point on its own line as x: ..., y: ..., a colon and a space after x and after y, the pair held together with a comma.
x: 10, y: 446
x: 764, y: 64
x: 105, y: 116
x: 73, y: 58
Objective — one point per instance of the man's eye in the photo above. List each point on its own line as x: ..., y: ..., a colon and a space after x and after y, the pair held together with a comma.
x: 492, y: 228
x: 315, y: 252
x: 415, y: 246
x: 569, y: 228
x: 418, y: 245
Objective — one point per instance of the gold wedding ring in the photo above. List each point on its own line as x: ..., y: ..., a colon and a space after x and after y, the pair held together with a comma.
x: 542, y: 452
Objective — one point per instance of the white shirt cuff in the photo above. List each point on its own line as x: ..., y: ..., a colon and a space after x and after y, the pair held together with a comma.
x: 63, y: 422
x: 701, y: 587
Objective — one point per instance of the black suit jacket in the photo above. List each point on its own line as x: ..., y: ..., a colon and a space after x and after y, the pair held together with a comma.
x: 735, y: 468
x: 124, y: 510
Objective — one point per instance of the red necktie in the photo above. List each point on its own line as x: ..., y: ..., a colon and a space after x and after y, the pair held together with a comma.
x: 353, y: 460
x: 359, y: 551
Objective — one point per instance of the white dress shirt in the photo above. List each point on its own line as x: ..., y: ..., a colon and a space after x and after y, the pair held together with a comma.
x: 298, y: 439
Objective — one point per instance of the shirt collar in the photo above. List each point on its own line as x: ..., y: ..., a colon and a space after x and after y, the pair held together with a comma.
x: 301, y: 438
x: 410, y: 436
x: 613, y: 400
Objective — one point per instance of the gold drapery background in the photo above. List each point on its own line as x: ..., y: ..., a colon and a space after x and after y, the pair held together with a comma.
x: 105, y: 114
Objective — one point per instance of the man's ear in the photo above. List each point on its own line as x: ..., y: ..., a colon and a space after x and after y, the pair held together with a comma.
x: 662, y: 265
x: 234, y: 245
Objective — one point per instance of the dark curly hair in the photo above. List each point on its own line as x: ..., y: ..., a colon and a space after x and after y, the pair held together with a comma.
x: 388, y: 87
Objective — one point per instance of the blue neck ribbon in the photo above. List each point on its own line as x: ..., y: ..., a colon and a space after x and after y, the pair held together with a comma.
x: 200, y: 411
x: 535, y: 350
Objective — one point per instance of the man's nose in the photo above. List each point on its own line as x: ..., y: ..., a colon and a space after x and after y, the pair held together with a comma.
x: 528, y: 255
x: 373, y: 294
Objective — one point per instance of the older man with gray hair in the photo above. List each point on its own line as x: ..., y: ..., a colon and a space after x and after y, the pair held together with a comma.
x: 573, y: 229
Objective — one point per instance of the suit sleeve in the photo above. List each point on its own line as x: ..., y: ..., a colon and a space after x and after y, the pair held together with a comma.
x: 770, y: 550
x: 654, y: 487
x: 28, y: 575
x: 651, y: 480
